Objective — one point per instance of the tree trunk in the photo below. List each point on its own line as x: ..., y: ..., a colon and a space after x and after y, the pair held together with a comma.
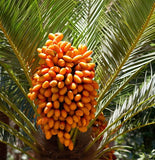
x: 3, y: 147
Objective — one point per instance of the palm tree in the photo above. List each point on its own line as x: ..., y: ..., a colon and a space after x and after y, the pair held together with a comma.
x: 118, y: 32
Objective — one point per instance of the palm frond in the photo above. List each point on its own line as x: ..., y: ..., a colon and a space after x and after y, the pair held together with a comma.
x: 15, y: 118
x: 138, y: 126
x: 11, y: 25
x: 16, y: 134
x: 24, y: 33
x: 120, y: 85
x: 123, y: 87
x: 119, y: 39
x: 18, y: 45
x: 11, y: 88
x: 122, y: 45
x: 19, y: 112
x: 84, y: 21
x: 142, y: 99
x: 54, y: 15
x: 113, y: 148
x: 12, y: 145
x: 19, y: 84
x: 9, y: 60
x: 14, y: 105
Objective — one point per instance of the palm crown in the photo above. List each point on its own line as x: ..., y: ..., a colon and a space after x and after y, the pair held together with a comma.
x: 118, y: 32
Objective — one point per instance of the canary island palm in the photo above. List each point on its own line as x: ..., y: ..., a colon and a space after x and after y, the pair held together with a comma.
x: 118, y: 32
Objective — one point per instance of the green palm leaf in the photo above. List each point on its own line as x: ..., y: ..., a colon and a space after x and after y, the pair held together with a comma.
x: 14, y: 96
x: 122, y: 38
x: 84, y: 22
x: 17, y: 37
x: 24, y: 35
x: 120, y: 120
x: 10, y: 142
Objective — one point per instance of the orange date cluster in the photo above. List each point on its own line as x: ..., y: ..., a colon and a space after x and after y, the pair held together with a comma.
x: 64, y: 89
x: 99, y: 125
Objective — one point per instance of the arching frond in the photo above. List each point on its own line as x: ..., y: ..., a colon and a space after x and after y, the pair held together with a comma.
x: 122, y: 53
x: 12, y: 90
x: 16, y: 134
x: 84, y: 22
x: 25, y: 24
x: 141, y: 99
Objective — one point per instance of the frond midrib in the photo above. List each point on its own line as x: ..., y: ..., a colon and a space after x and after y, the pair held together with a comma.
x: 17, y: 53
x: 21, y: 114
x: 19, y: 85
x: 14, y: 132
x: 127, y: 54
x: 19, y: 149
